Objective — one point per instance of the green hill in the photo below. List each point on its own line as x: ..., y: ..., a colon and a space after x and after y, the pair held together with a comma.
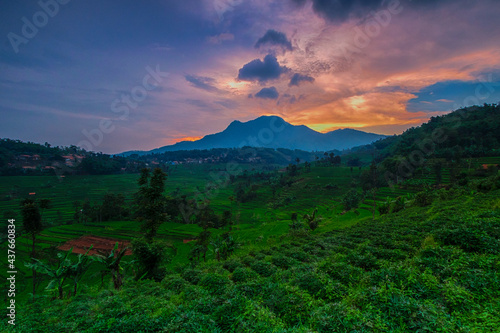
x: 424, y: 269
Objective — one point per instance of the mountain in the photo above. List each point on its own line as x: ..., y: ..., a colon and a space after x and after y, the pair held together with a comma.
x: 273, y: 132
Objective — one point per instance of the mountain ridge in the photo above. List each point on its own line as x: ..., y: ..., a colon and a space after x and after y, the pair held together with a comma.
x: 272, y: 132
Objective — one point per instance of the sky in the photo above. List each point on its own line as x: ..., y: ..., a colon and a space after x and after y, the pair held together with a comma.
x: 113, y: 76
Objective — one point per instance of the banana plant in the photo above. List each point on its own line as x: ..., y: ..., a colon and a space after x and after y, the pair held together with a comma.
x: 79, y: 268
x: 311, y: 219
x: 57, y: 274
x: 112, y: 265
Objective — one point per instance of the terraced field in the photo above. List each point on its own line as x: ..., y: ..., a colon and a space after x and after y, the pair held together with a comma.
x: 259, y: 222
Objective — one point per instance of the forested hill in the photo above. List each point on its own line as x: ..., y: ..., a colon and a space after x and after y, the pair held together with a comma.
x: 29, y: 158
x: 467, y: 132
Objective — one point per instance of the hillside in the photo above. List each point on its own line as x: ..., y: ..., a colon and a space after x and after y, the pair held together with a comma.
x: 321, y: 246
x: 467, y: 132
x: 273, y: 132
x: 432, y: 268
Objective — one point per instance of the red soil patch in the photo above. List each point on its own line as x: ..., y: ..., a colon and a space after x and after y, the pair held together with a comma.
x: 82, y: 244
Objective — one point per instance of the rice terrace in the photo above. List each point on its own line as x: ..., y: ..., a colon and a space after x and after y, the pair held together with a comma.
x: 305, y: 166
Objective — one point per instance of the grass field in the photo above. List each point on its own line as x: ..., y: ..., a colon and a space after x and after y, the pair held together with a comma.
x: 255, y: 220
x: 258, y: 223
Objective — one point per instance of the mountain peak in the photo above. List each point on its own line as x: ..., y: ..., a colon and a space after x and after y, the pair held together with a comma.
x: 272, y: 131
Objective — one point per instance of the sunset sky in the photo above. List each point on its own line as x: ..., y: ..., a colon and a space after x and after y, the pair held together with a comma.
x: 95, y: 72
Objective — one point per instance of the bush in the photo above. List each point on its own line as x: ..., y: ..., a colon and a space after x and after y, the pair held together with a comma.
x: 424, y: 198
x: 231, y: 265
x: 469, y: 239
x: 342, y: 272
x: 298, y: 254
x: 151, y: 256
x: 263, y: 268
x: 215, y: 283
x: 243, y: 274
x: 174, y: 282
x: 282, y: 261
x: 248, y: 260
x: 192, y: 275
x: 397, y: 205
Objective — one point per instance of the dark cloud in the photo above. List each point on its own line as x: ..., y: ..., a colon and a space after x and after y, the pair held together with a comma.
x: 297, y: 79
x: 275, y: 38
x: 340, y: 10
x: 299, y: 2
x: 262, y: 71
x: 268, y: 93
x: 201, y: 82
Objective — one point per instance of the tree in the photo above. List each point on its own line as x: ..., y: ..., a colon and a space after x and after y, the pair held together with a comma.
x: 201, y: 247
x: 32, y: 224
x: 227, y: 218
x: 113, y: 207
x: 223, y: 246
x: 351, y: 200
x: 44, y: 204
x: 151, y: 201
x: 311, y: 220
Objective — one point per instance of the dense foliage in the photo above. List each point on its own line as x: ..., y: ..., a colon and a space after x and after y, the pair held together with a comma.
x: 425, y: 269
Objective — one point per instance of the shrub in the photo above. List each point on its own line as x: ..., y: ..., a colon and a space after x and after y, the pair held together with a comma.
x: 342, y: 272
x: 215, y: 283
x: 298, y: 254
x: 469, y: 239
x: 282, y: 261
x: 424, y: 198
x: 192, y: 275
x: 263, y: 268
x: 151, y: 256
x: 232, y: 264
x: 174, y: 282
x: 397, y: 205
x: 185, y: 320
x: 243, y: 274
x: 248, y: 260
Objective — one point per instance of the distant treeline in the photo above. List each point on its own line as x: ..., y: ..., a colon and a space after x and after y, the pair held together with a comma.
x: 280, y: 156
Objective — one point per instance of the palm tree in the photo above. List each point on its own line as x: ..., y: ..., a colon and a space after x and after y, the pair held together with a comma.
x: 32, y: 224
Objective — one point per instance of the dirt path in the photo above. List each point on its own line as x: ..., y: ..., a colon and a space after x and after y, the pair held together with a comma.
x: 82, y: 244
